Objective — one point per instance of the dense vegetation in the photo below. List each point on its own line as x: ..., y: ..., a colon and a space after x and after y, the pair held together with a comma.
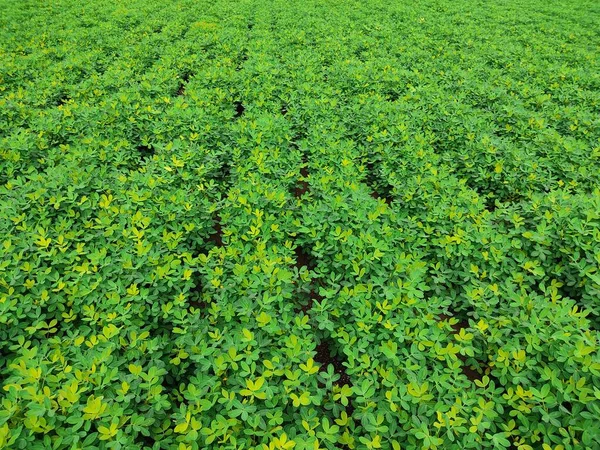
x: 299, y: 224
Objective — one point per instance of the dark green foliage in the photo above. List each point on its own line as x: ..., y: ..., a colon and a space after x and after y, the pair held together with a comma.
x: 317, y: 224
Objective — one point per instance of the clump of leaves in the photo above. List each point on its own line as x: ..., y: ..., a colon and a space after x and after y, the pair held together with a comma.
x: 275, y: 225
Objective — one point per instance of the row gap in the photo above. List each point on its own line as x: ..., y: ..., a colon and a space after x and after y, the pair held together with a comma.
x: 146, y: 151
x: 328, y: 352
x: 380, y: 188
x: 239, y: 109
x: 185, y: 78
x: 468, y: 371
